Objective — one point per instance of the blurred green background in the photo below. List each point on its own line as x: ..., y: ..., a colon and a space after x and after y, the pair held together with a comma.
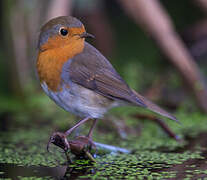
x: 128, y: 40
x: 129, y: 48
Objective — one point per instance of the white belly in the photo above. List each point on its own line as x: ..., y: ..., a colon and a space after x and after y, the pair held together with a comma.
x: 80, y: 101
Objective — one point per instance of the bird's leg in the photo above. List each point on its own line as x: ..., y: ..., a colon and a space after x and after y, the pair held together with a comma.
x: 60, y: 139
x: 92, y: 128
x: 90, y: 133
x: 77, y: 125
x: 83, y: 145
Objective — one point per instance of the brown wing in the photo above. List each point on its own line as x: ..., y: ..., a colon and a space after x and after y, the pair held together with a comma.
x: 93, y: 71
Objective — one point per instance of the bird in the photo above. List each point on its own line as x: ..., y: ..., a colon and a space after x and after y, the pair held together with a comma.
x: 78, y: 78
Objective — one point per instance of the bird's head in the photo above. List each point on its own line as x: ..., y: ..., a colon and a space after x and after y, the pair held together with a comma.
x: 60, y: 32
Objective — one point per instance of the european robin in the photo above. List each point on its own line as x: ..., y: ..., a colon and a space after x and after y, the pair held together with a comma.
x: 78, y: 78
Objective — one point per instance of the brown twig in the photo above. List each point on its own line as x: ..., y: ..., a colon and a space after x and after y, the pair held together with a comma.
x: 160, y: 122
x: 154, y: 19
x: 81, y: 146
x: 202, y: 4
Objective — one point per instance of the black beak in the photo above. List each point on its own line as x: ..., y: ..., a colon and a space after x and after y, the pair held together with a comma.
x: 86, y: 35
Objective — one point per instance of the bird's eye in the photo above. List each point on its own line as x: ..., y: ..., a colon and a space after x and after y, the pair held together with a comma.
x: 63, y: 32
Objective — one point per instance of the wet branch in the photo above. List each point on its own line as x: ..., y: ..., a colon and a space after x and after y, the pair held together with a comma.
x: 82, y: 146
x: 160, y: 122
x: 154, y: 19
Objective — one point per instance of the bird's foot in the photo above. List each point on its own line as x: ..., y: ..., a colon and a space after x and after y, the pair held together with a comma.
x: 59, y: 139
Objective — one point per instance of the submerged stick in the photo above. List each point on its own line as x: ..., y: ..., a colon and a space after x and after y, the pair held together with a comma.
x: 82, y: 146
x: 113, y: 149
x: 161, y: 123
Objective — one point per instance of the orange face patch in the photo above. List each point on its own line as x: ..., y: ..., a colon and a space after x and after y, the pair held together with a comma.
x: 55, y: 53
x: 58, y: 40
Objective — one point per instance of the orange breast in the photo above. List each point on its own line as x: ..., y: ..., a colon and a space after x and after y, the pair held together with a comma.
x: 50, y: 62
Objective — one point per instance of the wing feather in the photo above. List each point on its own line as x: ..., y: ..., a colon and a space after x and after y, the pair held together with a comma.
x: 92, y: 70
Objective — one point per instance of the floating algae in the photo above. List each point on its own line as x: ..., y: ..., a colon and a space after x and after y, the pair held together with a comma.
x: 154, y: 156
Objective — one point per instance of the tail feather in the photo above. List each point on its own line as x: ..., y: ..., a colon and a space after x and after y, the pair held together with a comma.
x: 155, y: 108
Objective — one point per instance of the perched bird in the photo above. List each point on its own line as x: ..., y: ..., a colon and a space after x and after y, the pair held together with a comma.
x: 78, y: 78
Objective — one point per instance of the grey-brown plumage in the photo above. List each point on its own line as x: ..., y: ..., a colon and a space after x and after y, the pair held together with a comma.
x: 79, y: 78
x: 92, y: 70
